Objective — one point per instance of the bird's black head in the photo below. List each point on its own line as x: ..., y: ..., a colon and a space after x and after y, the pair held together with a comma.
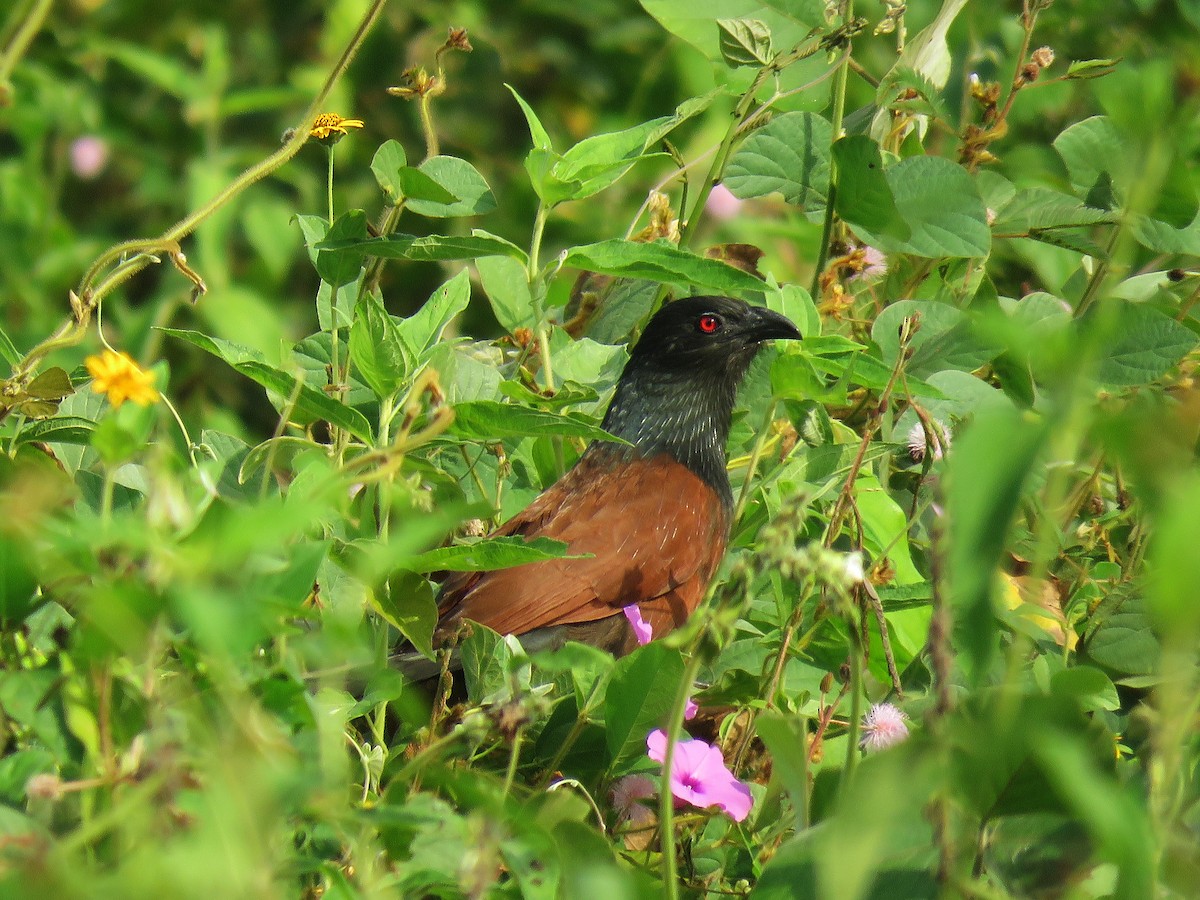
x: 711, y: 333
x: 677, y: 391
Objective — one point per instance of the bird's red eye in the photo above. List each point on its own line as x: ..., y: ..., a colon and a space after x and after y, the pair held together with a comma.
x: 709, y: 323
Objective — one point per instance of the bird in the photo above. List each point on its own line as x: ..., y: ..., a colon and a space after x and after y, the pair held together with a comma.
x: 647, y: 517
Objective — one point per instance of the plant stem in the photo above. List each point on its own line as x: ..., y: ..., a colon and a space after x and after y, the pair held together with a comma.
x: 20, y: 42
x: 666, y: 799
x: 852, y: 729
x: 839, y: 107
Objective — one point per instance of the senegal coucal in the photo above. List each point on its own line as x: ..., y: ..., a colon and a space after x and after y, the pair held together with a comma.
x: 653, y: 513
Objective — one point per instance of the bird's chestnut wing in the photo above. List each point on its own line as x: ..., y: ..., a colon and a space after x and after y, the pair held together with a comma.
x: 656, y: 532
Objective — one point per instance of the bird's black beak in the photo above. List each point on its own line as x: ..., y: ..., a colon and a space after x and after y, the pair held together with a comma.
x: 766, y: 325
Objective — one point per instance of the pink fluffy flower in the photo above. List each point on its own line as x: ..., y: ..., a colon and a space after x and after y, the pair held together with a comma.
x: 883, y: 726
x: 627, y: 794
x: 699, y: 775
x: 641, y: 628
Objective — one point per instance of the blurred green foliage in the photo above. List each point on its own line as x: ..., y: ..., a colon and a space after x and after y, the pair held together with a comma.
x: 989, y: 247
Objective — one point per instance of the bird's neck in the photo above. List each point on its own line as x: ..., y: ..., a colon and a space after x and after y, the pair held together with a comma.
x: 686, y: 417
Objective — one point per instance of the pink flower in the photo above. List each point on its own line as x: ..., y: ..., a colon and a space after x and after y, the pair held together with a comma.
x: 883, y: 726
x: 641, y: 628
x: 89, y: 156
x: 690, y: 710
x: 721, y: 203
x: 874, y: 265
x: 699, y: 775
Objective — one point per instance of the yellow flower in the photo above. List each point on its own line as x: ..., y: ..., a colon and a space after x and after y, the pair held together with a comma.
x: 331, y: 125
x: 118, y: 376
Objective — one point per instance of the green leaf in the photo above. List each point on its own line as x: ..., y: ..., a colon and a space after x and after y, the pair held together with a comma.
x: 18, y: 584
x: 639, y: 699
x: 487, y: 554
x: 1091, y: 68
x: 488, y: 420
x: 1095, y: 157
x: 541, y: 140
x: 424, y: 328
x: 389, y: 159
x: 945, y: 340
x: 985, y: 477
x: 468, y: 191
x: 786, y: 741
x: 8, y: 350
x: 52, y: 384
x: 506, y: 284
x: 1088, y: 686
x: 790, y: 21
x: 59, y: 430
x: 1120, y: 636
x: 941, y: 208
x: 430, y: 248
x: 745, y: 42
x: 662, y: 262
x: 310, y: 404
x: 864, y: 196
x: 376, y: 347
x: 790, y: 154
x: 416, y: 185
x: 1034, y: 210
x: 408, y: 604
x: 1145, y: 345
x: 485, y: 660
x: 341, y: 266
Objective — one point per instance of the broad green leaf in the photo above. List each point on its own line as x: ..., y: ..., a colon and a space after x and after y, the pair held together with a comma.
x: 470, y: 194
x: 790, y: 154
x: 416, y: 185
x: 786, y: 740
x: 790, y: 21
x: 485, y: 659
x: 1145, y: 345
x: 864, y: 197
x: 406, y: 601
x: 1035, y: 210
x: 424, y: 328
x: 1095, y: 158
x: 389, y: 159
x: 52, y: 384
x: 945, y: 339
x: 985, y: 477
x: 662, y: 262
x: 487, y: 554
x: 1088, y: 686
x: 376, y: 347
x: 1120, y: 636
x: 59, y: 430
x: 310, y: 404
x: 639, y: 699
x: 506, y: 284
x: 885, y: 527
x: 338, y: 267
x: 430, y: 248
x: 488, y: 420
x: 941, y: 209
x: 745, y: 42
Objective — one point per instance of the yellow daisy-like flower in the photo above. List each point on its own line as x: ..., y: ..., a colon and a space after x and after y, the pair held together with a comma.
x: 118, y: 376
x: 332, y: 126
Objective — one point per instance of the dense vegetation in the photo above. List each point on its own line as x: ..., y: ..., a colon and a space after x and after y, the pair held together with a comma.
x: 260, y: 390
